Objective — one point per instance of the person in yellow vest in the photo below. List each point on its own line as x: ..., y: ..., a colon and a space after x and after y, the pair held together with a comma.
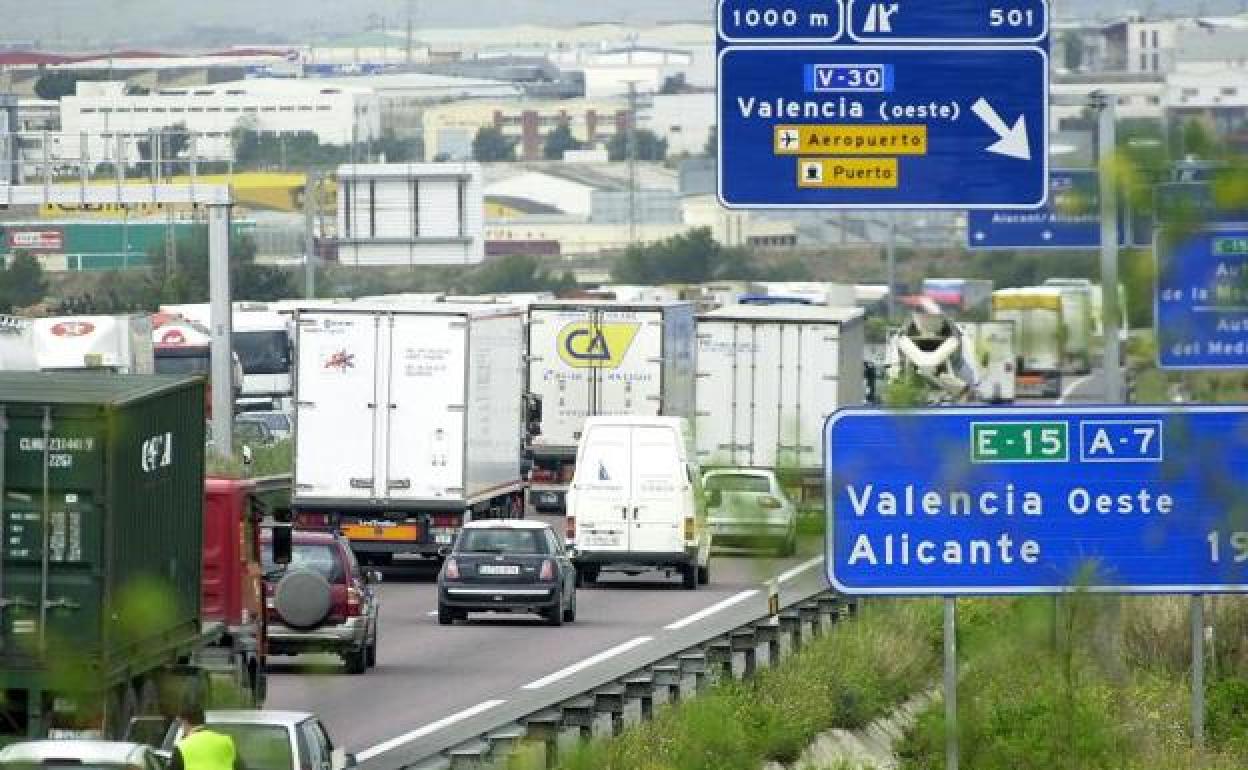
x: 202, y: 748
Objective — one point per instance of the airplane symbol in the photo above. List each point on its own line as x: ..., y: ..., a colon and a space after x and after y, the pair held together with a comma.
x: 788, y: 138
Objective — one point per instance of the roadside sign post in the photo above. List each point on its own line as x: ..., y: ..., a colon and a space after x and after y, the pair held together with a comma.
x: 1039, y: 500
x: 1112, y: 320
x: 951, y: 683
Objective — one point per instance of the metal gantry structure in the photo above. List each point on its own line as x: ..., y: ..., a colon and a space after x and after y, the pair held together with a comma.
x: 75, y: 178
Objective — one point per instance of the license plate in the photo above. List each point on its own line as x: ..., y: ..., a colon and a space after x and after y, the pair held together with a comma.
x: 608, y: 539
x: 499, y: 569
x: 370, y: 532
x: 444, y: 539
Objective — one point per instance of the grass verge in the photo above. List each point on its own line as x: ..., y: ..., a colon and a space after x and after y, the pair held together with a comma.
x: 1080, y: 690
x: 846, y: 679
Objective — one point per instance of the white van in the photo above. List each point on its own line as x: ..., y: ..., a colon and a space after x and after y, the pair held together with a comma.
x: 636, y: 500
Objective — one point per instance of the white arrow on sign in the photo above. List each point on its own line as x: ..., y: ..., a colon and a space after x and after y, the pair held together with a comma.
x: 1013, y: 141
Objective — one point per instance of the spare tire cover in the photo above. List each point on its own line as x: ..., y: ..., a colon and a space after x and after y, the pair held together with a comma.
x: 303, y: 598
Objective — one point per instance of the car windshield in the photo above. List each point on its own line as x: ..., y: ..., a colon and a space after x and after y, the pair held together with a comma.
x: 182, y: 364
x: 251, y: 430
x: 318, y: 557
x: 260, y: 747
x: 738, y: 482
x: 275, y: 421
x: 502, y: 541
x: 263, y: 352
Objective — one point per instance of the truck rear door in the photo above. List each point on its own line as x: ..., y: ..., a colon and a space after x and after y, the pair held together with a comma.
x: 661, y: 494
x: 628, y: 363
x: 336, y: 441
x: 602, y: 489
x: 424, y: 395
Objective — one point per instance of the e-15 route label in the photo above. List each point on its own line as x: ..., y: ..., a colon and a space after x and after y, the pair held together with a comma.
x: 869, y: 126
x: 986, y: 501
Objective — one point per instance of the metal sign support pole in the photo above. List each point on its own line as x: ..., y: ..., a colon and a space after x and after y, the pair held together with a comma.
x: 1106, y: 146
x: 222, y: 326
x: 951, y: 683
x: 311, y: 201
x: 1198, y: 672
x: 891, y: 254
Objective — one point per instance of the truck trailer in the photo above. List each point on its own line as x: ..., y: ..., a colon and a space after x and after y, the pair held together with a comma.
x: 1039, y: 329
x: 768, y: 378
x: 103, y: 488
x: 601, y: 358
x: 409, y: 422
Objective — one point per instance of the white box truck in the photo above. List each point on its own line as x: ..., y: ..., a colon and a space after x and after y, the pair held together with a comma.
x: 121, y: 343
x: 1078, y: 306
x: 768, y: 377
x: 589, y: 358
x: 1036, y: 313
x: 408, y: 423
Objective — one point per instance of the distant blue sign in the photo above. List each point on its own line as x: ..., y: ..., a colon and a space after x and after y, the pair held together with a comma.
x: 883, y: 127
x: 962, y: 501
x: 1070, y: 220
x: 949, y: 21
x: 1201, y: 308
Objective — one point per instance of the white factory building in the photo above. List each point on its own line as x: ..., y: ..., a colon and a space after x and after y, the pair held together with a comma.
x: 337, y: 113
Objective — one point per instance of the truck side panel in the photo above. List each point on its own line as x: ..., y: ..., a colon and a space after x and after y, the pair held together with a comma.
x: 679, y: 361
x: 495, y: 412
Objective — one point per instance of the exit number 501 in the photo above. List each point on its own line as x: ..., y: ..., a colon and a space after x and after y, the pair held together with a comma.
x: 1012, y: 17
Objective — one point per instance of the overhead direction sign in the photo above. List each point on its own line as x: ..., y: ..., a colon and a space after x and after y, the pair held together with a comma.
x: 959, y: 501
x: 1071, y: 219
x: 885, y: 127
x: 1201, y: 309
x: 895, y: 105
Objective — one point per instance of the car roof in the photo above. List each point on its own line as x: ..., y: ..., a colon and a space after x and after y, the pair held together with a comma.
x: 258, y: 717
x: 506, y: 524
x: 85, y: 751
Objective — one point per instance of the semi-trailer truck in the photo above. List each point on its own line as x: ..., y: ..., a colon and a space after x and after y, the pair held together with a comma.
x: 409, y: 422
x: 589, y: 358
x: 101, y: 581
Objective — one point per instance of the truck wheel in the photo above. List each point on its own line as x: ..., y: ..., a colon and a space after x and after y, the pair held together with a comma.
x: 704, y: 575
x: 569, y: 615
x: 356, y: 660
x: 689, y: 577
x: 446, y: 616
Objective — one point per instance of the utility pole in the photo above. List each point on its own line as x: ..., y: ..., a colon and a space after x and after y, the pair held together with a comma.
x: 311, y: 202
x: 892, y: 263
x: 632, y: 162
x: 411, y: 13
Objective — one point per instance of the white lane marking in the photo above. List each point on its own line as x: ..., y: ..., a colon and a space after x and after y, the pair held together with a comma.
x: 788, y: 575
x: 714, y: 608
x: 432, y: 727
x: 432, y: 613
x: 564, y: 673
x: 1070, y: 389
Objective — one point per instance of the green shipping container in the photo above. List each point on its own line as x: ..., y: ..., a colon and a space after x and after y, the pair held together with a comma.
x: 102, y: 484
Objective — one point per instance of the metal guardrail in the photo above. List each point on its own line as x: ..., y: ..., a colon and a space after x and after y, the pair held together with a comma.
x: 610, y: 707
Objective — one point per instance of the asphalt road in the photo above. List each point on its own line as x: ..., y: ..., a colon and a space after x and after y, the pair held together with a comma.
x: 429, y: 674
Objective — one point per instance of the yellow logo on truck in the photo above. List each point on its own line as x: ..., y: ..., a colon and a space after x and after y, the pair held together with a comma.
x: 583, y: 344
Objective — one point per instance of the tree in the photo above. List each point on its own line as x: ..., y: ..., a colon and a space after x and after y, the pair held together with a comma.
x: 173, y: 141
x: 649, y: 146
x: 692, y: 257
x: 491, y: 146
x: 54, y: 85
x: 1072, y: 50
x: 516, y: 273
x: 559, y: 142
x: 22, y: 284
x: 189, y: 280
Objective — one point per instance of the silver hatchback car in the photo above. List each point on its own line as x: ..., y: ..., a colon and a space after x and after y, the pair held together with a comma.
x: 747, y: 507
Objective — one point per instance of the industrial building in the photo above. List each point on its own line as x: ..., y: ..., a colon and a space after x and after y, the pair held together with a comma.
x: 450, y: 128
x: 338, y: 114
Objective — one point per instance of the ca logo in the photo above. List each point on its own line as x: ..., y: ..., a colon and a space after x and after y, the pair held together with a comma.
x: 582, y: 344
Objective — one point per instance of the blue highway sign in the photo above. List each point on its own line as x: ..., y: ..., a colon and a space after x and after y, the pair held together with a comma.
x: 1201, y: 310
x: 869, y: 126
x: 949, y: 21
x: 960, y: 501
x: 1070, y: 220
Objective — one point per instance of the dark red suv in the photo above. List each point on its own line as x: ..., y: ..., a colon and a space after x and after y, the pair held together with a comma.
x: 322, y: 601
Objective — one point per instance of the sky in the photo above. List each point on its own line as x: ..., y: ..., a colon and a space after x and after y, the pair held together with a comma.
x: 79, y: 22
